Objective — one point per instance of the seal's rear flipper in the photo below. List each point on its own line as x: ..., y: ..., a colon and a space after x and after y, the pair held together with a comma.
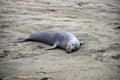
x: 21, y: 40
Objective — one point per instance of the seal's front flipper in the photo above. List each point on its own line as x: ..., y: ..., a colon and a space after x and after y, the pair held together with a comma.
x: 53, y: 47
x: 81, y: 43
x: 21, y: 40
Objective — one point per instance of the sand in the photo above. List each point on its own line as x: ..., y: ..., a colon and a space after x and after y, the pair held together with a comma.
x: 95, y: 22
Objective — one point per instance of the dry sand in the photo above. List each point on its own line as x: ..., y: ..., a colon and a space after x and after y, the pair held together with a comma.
x: 95, y: 22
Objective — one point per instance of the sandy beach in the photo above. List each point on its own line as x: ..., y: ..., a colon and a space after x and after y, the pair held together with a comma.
x: 95, y: 22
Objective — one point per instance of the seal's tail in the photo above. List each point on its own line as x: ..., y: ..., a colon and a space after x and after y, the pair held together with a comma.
x: 22, y: 40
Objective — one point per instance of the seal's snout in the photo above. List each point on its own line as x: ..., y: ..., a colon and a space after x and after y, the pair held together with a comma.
x: 71, y: 47
x: 68, y: 48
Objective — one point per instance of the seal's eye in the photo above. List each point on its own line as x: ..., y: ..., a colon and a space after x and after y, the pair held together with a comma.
x: 72, y: 44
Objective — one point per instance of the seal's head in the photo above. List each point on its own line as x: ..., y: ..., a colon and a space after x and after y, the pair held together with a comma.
x: 72, y: 46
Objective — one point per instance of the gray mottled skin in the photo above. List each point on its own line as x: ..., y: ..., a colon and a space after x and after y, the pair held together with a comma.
x: 64, y: 40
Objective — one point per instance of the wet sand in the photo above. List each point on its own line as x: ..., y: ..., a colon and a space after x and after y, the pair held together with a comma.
x: 95, y: 22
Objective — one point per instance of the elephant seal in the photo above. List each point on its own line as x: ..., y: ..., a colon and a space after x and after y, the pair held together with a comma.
x: 64, y: 40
